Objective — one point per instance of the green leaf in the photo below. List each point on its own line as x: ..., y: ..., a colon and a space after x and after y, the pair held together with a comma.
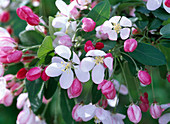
x: 165, y: 31
x: 14, y: 68
x: 165, y: 42
x: 52, y: 30
x: 155, y: 24
x: 50, y: 87
x: 45, y: 47
x: 31, y: 38
x: 142, y: 10
x: 96, y: 94
x: 66, y: 105
x: 35, y: 93
x: 142, y: 24
x: 100, y: 13
x: 163, y: 71
x: 108, y: 45
x: 161, y: 14
x: 148, y: 55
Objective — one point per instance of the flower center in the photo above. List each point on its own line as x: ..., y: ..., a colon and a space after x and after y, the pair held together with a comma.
x: 98, y: 59
x: 117, y: 27
x: 67, y: 65
x: 96, y: 120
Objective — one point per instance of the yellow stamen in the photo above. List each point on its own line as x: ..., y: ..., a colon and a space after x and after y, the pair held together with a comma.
x: 98, y: 59
x: 117, y: 27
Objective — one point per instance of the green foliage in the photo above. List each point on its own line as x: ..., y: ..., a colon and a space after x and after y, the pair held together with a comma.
x: 96, y: 94
x: 165, y: 31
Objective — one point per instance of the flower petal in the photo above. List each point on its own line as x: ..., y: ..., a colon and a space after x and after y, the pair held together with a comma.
x: 54, y: 69
x: 2, y: 87
x: 66, y: 79
x: 112, y: 35
x: 101, y: 114
x: 98, y: 74
x: 63, y: 51
x: 164, y: 119
x: 153, y: 4
x: 165, y: 7
x: 62, y: 6
x: 82, y: 76
x: 76, y: 58
x: 56, y: 59
x: 95, y: 53
x: 123, y: 89
x: 87, y: 64
x: 108, y: 61
x: 107, y: 26
x: 115, y: 19
x: 125, y: 22
x: 87, y: 112
x: 113, y: 102
x: 124, y: 33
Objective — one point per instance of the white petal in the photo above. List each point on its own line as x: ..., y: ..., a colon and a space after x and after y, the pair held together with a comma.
x: 66, y: 79
x: 107, y: 26
x: 57, y: 60
x: 153, y: 4
x: 63, y: 51
x: 21, y: 100
x: 1, y: 70
x: 54, y: 69
x: 2, y: 87
x: 60, y: 34
x: 123, y: 89
x: 82, y: 76
x: 95, y: 53
x: 86, y: 112
x: 165, y: 106
x: 62, y: 6
x: 108, y: 61
x: 164, y: 119
x: 113, y: 102
x: 60, y: 22
x: 124, y: 33
x: 125, y: 22
x: 87, y: 64
x: 165, y: 7
x: 112, y: 35
x: 4, y: 32
x: 76, y: 58
x: 120, y: 116
x: 98, y: 74
x: 115, y: 19
x: 101, y: 114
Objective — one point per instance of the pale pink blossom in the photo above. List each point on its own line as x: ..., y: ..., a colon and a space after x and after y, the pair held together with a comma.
x: 2, y: 87
x: 4, y: 32
x: 155, y: 110
x: 120, y: 87
x: 88, y: 24
x: 63, y: 68
x: 1, y: 69
x: 100, y: 34
x: 7, y: 99
x: 116, y: 25
x: 65, y: 40
x: 21, y: 100
x: 95, y: 63
x: 164, y: 119
x: 74, y: 113
x: 84, y: 2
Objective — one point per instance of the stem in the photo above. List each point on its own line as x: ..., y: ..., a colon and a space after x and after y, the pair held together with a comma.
x: 28, y: 48
x: 45, y: 109
x: 137, y: 69
x: 158, y: 39
x: 130, y: 98
x: 20, y: 87
x: 153, y: 93
x: 28, y: 55
x: 117, y: 98
x: 44, y: 25
x: 114, y: 68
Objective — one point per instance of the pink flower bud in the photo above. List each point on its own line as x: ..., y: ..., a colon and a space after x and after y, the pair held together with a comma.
x: 108, y: 89
x: 88, y: 46
x: 94, y: 3
x: 33, y: 74
x: 88, y: 24
x: 9, y: 29
x: 168, y: 77
x: 8, y: 98
x: 8, y: 77
x: 14, y: 56
x: 33, y: 19
x: 21, y: 74
x: 65, y: 40
x: 23, y: 12
x: 44, y: 76
x: 10, y: 84
x: 167, y: 3
x: 4, y: 16
x: 155, y: 110
x: 74, y: 113
x: 134, y: 113
x: 144, y: 100
x: 75, y: 89
x: 75, y: 13
x: 99, y: 45
x: 144, y: 106
x: 14, y: 87
x: 135, y: 31
x: 130, y: 45
x: 144, y: 77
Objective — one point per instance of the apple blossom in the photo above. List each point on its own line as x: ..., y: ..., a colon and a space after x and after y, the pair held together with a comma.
x: 99, y: 45
x: 15, y: 87
x: 100, y: 34
x: 144, y: 77
x: 2, y: 87
x: 121, y: 88
x: 75, y: 89
x: 116, y: 25
x: 4, y: 32
x: 21, y: 74
x: 1, y: 69
x: 44, y: 77
x: 21, y: 100
x: 4, y: 16
x: 155, y: 110
x: 164, y: 119
x: 117, y: 118
x: 88, y: 46
x: 33, y: 74
x: 88, y: 24
x: 60, y: 67
x: 84, y: 2
x: 74, y: 113
x: 113, y: 102
x: 130, y: 45
x: 7, y: 99
x: 134, y: 113
x: 4, y: 4
x: 95, y: 63
x: 23, y: 12
x: 65, y: 40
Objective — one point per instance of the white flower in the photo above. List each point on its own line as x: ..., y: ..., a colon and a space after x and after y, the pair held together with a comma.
x: 116, y: 25
x: 60, y: 67
x: 121, y: 88
x: 95, y: 63
x: 2, y: 87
